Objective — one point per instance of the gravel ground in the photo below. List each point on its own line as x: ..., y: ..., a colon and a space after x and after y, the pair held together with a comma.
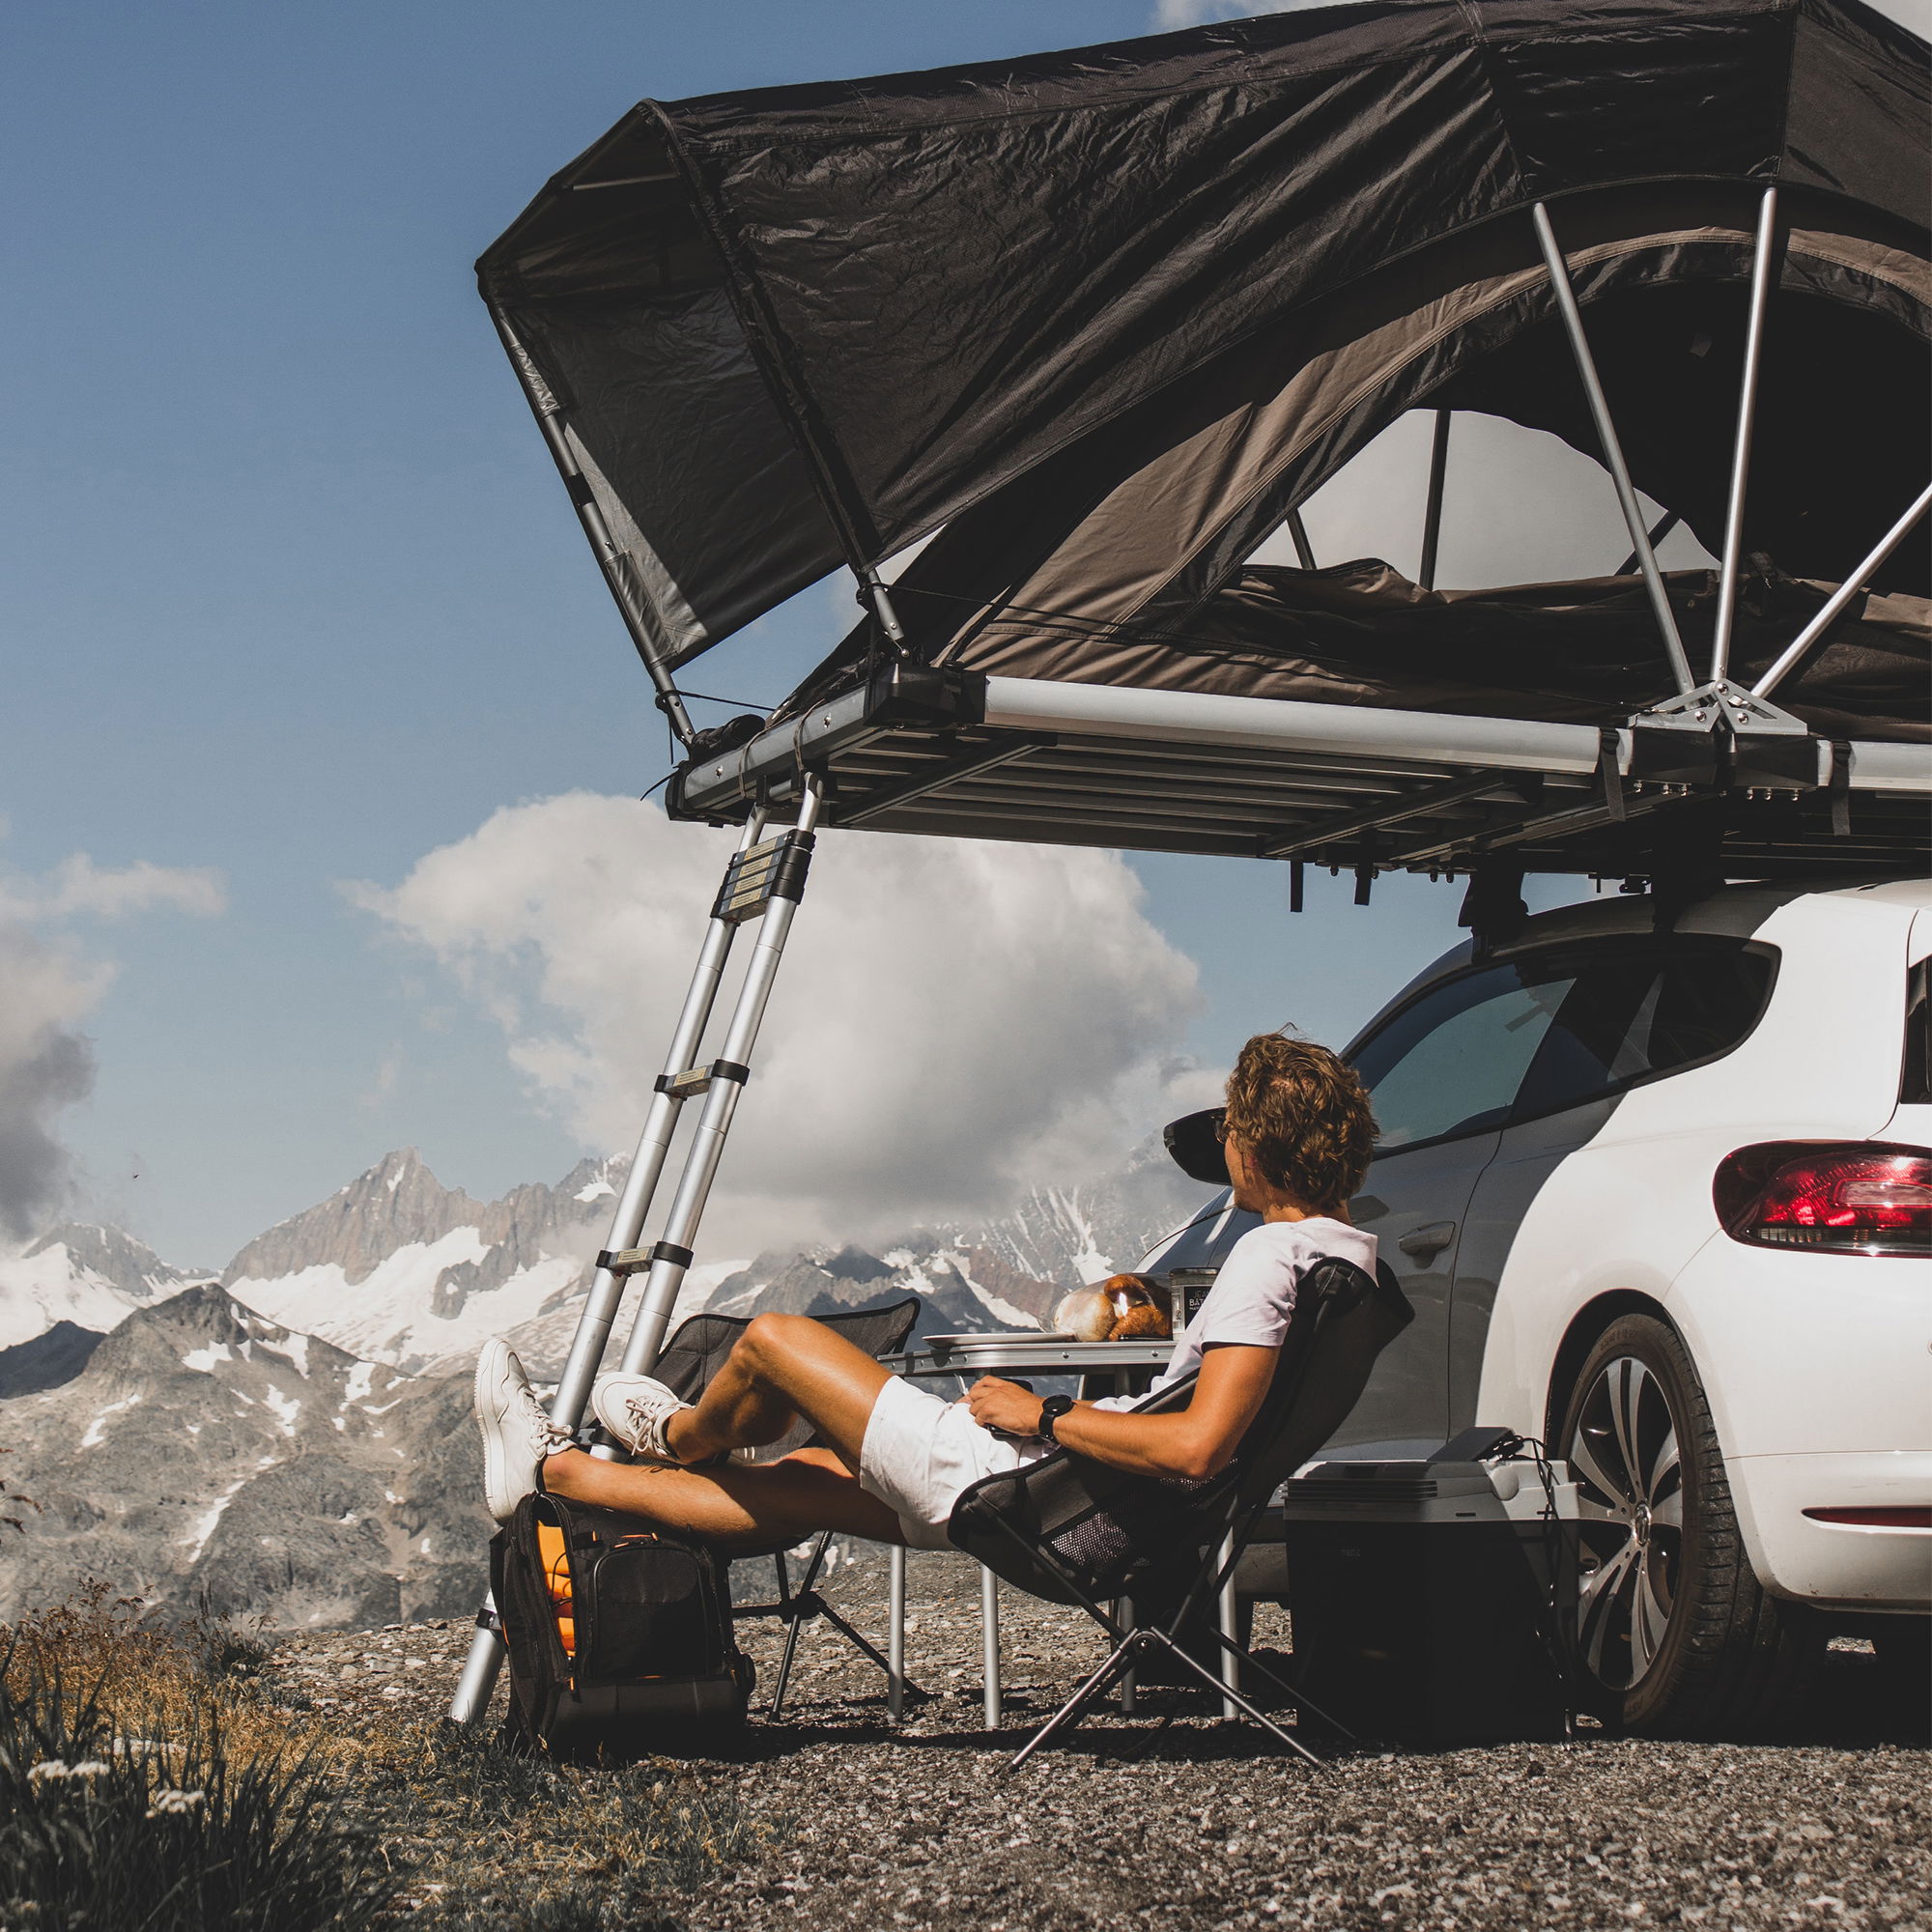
x: 1198, y: 1825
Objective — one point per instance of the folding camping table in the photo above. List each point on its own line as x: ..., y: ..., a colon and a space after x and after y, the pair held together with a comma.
x: 1012, y: 1354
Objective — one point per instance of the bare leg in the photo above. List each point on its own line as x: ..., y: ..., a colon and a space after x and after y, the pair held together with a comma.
x: 787, y: 1501
x: 782, y: 1366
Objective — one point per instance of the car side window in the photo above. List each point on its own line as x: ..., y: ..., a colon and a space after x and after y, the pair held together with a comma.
x: 1451, y: 1064
x: 1631, y: 1014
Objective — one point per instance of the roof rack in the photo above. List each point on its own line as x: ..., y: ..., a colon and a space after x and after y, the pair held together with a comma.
x: 956, y: 752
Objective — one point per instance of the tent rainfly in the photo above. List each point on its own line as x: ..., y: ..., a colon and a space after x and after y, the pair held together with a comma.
x: 1096, y: 323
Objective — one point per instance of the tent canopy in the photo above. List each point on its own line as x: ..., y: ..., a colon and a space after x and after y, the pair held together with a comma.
x: 1107, y: 314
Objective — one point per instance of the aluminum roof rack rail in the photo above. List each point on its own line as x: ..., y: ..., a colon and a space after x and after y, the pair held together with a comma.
x: 953, y: 753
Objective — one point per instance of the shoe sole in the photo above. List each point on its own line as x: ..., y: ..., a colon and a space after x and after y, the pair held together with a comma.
x: 493, y: 1374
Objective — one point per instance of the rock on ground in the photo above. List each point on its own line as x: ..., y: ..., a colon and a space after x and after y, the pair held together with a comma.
x: 1197, y: 1824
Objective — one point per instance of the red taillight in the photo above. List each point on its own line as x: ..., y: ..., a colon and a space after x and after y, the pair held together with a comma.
x: 1863, y: 1198
x: 1906, y: 1516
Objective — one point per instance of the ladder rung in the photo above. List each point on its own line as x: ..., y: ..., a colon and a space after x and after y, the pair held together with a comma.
x: 772, y: 868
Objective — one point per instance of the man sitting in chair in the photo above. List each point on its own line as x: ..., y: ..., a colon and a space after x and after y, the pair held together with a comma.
x: 1299, y: 1135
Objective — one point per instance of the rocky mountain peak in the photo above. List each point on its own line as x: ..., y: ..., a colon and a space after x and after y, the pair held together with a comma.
x: 115, y: 1258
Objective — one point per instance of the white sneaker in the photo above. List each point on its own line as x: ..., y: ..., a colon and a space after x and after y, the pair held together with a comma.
x: 635, y: 1410
x: 517, y: 1435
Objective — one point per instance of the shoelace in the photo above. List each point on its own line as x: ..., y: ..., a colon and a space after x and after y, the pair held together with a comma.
x: 648, y: 1426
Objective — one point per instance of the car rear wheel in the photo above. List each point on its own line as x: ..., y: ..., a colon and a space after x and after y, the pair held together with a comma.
x: 1672, y: 1633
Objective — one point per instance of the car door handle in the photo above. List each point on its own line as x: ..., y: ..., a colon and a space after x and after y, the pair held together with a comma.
x: 1428, y: 1240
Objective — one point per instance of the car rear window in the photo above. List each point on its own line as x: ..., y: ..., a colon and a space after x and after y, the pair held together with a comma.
x: 1634, y: 1015
x: 1555, y: 1028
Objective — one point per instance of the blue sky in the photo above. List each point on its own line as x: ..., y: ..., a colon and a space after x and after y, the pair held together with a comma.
x: 294, y: 594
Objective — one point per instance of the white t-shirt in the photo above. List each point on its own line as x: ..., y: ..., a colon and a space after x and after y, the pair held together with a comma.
x: 1253, y: 1296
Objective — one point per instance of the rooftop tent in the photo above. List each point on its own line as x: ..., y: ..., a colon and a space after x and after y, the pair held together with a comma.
x: 1102, y: 319
x: 803, y: 325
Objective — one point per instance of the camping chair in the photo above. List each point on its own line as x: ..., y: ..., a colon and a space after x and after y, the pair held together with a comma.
x: 695, y: 1353
x: 1074, y: 1531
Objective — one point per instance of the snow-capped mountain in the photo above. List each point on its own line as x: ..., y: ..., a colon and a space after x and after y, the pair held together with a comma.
x: 93, y: 1277
x: 62, y: 1295
x: 296, y: 1442
x: 204, y: 1451
x: 396, y: 1267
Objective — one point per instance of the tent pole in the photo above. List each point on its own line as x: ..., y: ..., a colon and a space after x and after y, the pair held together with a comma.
x: 1298, y: 531
x: 1834, y: 606
x: 1734, y: 508
x: 1613, y: 454
x: 548, y: 413
x: 1659, y: 530
x: 1432, y: 516
x: 873, y: 593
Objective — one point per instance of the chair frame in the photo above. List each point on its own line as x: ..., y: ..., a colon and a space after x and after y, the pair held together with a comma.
x: 1299, y: 1414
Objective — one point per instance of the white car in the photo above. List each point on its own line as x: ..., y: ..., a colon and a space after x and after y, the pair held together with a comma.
x: 1661, y: 1192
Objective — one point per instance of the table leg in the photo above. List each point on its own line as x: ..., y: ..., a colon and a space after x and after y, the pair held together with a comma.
x: 989, y: 1645
x: 1231, y: 1629
x: 895, y: 1606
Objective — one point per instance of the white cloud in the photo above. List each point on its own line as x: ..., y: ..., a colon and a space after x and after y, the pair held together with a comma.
x: 952, y: 1019
x: 47, y: 987
x: 78, y: 885
x: 1169, y: 15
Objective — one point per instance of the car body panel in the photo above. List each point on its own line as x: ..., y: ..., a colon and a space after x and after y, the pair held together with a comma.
x: 1841, y: 1566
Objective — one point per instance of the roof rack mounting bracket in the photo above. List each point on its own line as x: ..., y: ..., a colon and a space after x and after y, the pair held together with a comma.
x: 1721, y: 704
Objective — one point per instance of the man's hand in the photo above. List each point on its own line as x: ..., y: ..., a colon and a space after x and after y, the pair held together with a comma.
x: 1000, y: 1404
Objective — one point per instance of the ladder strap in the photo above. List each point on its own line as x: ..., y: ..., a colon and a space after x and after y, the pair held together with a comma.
x: 793, y: 864
x: 670, y: 1251
x: 730, y: 1069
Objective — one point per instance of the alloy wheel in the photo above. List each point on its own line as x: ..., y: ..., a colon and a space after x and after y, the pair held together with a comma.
x: 1624, y: 1455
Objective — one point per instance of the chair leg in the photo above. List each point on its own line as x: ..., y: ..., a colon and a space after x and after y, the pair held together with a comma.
x: 1073, y: 1710
x: 803, y: 1604
x: 1234, y: 1697
x: 1299, y: 1700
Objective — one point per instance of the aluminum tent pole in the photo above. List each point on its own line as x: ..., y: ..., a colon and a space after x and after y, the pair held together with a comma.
x: 1734, y: 508
x: 1432, y: 516
x: 672, y: 1255
x: 1834, y: 606
x: 1613, y: 453
x: 1298, y: 531
x: 607, y: 1290
x: 609, y: 555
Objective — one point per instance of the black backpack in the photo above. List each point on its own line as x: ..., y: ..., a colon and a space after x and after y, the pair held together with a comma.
x: 619, y: 1635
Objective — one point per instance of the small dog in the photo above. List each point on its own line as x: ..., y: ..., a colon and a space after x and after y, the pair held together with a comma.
x: 1123, y: 1307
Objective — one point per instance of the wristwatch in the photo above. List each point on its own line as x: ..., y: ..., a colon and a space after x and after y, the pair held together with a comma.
x: 1050, y: 1413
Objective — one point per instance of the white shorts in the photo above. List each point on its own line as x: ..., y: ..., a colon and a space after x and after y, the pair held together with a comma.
x: 920, y: 1452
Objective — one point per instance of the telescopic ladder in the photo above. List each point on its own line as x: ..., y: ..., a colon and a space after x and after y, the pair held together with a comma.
x: 763, y: 882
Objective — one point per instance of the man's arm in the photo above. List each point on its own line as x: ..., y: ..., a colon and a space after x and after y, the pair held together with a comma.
x: 1197, y: 1441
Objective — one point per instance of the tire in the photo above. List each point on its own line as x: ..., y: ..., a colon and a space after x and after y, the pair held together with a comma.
x: 1672, y: 1634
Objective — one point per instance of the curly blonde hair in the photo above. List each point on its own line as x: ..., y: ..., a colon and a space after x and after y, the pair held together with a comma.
x: 1303, y: 1116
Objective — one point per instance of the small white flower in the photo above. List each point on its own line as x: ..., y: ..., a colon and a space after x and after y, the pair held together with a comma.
x: 48, y: 1769
x: 91, y: 1767
x: 176, y: 1803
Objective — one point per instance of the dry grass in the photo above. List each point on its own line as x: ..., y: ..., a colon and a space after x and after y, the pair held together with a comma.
x: 406, y: 1820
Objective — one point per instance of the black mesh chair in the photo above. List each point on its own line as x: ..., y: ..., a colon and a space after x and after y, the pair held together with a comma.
x: 1074, y: 1531
x: 692, y: 1356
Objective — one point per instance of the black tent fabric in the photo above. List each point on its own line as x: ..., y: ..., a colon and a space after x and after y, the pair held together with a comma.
x: 800, y: 325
